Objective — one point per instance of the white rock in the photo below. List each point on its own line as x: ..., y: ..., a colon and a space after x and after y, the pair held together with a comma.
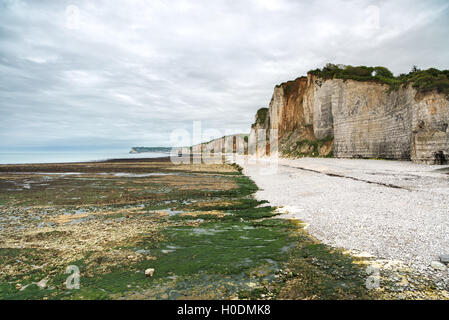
x: 42, y: 284
x: 149, y: 272
x: 23, y: 288
x: 438, y: 266
x: 444, y: 258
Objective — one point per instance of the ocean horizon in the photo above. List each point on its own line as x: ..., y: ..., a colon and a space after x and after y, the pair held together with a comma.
x: 72, y: 156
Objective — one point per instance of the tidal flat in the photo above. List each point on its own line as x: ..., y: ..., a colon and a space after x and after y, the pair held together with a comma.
x: 197, y: 226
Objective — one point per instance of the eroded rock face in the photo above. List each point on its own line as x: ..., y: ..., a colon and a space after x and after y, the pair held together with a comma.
x: 354, y: 119
x: 369, y: 122
x: 430, y: 137
x: 236, y: 143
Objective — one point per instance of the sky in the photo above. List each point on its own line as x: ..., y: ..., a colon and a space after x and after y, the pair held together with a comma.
x: 116, y: 74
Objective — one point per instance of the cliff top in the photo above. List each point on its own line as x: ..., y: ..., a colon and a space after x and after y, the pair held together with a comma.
x: 422, y: 80
x: 261, y: 115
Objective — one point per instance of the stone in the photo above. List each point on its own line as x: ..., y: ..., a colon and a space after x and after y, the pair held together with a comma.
x: 149, y: 272
x: 444, y: 258
x: 143, y: 251
x: 24, y: 287
x: 42, y: 284
x: 438, y: 266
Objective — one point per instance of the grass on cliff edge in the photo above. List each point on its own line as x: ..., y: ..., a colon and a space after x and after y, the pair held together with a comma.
x: 261, y: 116
x: 231, y: 247
x: 422, y: 80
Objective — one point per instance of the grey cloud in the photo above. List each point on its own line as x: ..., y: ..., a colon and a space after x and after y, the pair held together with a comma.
x: 131, y: 72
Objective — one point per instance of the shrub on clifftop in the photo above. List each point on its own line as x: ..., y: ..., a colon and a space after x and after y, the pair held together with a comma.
x: 261, y: 115
x: 422, y: 80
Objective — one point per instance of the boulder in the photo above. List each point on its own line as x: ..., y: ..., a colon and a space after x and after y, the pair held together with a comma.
x: 438, y: 266
x: 444, y: 258
x: 149, y: 272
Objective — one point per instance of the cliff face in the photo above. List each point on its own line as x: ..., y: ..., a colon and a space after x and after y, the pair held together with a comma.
x: 237, y: 143
x: 364, y: 119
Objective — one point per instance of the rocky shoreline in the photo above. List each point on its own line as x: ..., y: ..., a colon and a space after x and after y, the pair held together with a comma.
x: 394, y: 213
x: 131, y: 227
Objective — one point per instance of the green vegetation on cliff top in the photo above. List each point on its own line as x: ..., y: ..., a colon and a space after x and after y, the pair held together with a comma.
x: 422, y: 80
x: 262, y: 115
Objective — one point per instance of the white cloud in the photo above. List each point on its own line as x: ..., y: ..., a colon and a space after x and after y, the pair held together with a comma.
x: 271, y: 4
x: 127, y: 73
x: 83, y: 78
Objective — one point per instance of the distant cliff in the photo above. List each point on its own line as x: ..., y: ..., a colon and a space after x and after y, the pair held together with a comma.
x: 149, y: 149
x: 359, y: 112
x: 237, y: 143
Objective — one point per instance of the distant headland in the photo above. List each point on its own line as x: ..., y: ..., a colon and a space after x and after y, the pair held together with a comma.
x: 149, y: 149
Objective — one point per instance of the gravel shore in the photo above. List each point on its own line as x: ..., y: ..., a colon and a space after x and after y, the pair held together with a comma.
x: 391, y: 210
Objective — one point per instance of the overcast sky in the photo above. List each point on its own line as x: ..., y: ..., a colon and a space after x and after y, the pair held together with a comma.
x: 109, y: 74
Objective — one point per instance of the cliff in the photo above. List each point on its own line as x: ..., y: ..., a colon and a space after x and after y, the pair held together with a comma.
x: 237, y: 143
x: 136, y: 150
x: 366, y: 117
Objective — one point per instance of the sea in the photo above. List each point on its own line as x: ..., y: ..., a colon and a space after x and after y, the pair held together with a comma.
x: 72, y: 156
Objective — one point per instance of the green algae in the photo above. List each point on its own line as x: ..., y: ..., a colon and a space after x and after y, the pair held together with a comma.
x: 244, y: 253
